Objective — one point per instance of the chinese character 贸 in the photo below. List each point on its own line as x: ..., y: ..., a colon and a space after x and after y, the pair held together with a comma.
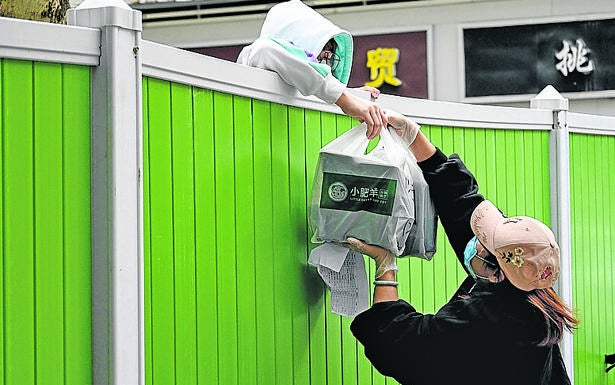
x: 381, y: 62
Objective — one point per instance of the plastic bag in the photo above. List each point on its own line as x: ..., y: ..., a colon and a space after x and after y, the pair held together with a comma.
x: 421, y: 241
x: 372, y: 196
x: 366, y: 196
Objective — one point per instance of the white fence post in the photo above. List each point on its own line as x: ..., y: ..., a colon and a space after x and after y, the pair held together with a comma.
x: 559, y: 160
x: 117, y: 263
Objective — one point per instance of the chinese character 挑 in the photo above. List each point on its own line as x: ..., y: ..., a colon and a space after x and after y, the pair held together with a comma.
x: 381, y: 62
x: 573, y: 57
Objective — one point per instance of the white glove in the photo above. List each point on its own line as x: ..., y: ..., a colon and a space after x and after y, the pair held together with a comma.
x: 404, y: 127
x: 385, y: 260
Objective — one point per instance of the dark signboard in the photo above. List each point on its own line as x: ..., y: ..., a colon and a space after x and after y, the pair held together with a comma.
x: 572, y: 56
x: 395, y: 63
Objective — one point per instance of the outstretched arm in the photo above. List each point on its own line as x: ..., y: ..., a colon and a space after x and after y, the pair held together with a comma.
x: 364, y: 111
x: 452, y: 186
x: 297, y: 70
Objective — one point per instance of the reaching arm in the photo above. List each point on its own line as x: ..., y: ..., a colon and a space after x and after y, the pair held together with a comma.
x: 452, y: 186
x: 364, y: 111
x: 310, y: 78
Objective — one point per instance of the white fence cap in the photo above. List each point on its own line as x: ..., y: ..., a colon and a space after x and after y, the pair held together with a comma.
x: 88, y: 4
x: 549, y: 99
x: 100, y: 13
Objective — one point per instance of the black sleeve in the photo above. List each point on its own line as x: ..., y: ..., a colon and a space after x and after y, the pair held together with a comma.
x: 396, y: 339
x: 377, y: 327
x: 403, y: 343
x: 454, y: 192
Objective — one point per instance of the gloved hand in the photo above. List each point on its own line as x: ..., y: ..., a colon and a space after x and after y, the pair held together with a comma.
x: 385, y: 260
x: 403, y: 126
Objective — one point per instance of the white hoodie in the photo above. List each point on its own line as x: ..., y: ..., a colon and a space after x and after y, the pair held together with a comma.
x: 291, y: 38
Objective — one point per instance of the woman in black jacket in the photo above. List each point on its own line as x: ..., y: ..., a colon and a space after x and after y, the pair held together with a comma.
x: 503, y: 324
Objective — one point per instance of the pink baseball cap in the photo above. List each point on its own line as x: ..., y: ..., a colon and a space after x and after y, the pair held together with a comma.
x: 525, y: 248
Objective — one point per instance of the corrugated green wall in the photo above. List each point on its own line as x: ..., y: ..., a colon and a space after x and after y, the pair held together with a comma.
x: 229, y: 296
x: 592, y: 181
x: 45, y: 292
x: 230, y: 299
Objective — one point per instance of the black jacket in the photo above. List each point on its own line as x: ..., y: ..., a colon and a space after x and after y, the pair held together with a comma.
x: 486, y: 334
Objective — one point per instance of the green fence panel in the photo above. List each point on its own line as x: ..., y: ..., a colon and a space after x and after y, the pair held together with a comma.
x: 46, y: 267
x: 593, y: 245
x: 159, y: 253
x: 18, y: 237
x: 263, y: 244
x: 230, y: 298
x: 76, y: 224
x: 245, y: 205
x: 205, y: 206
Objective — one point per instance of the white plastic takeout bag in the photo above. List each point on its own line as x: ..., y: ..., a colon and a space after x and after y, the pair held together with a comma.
x: 366, y: 196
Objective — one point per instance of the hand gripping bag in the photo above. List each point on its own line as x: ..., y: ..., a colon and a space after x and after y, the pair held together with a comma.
x: 366, y: 196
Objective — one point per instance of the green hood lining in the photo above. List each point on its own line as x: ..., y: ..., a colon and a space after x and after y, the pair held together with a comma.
x: 344, y: 51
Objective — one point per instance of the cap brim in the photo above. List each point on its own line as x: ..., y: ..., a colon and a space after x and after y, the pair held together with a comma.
x: 484, y: 221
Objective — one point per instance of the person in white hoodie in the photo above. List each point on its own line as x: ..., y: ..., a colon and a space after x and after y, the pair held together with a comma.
x: 315, y: 56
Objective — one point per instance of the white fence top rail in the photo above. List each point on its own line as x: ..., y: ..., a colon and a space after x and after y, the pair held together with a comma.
x: 38, y: 41
x: 168, y: 63
x: 177, y: 65
x: 591, y: 124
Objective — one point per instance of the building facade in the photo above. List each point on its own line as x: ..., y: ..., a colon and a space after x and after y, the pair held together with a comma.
x: 496, y: 52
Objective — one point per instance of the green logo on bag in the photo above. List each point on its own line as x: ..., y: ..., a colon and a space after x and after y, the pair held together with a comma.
x: 357, y: 193
x: 338, y: 191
